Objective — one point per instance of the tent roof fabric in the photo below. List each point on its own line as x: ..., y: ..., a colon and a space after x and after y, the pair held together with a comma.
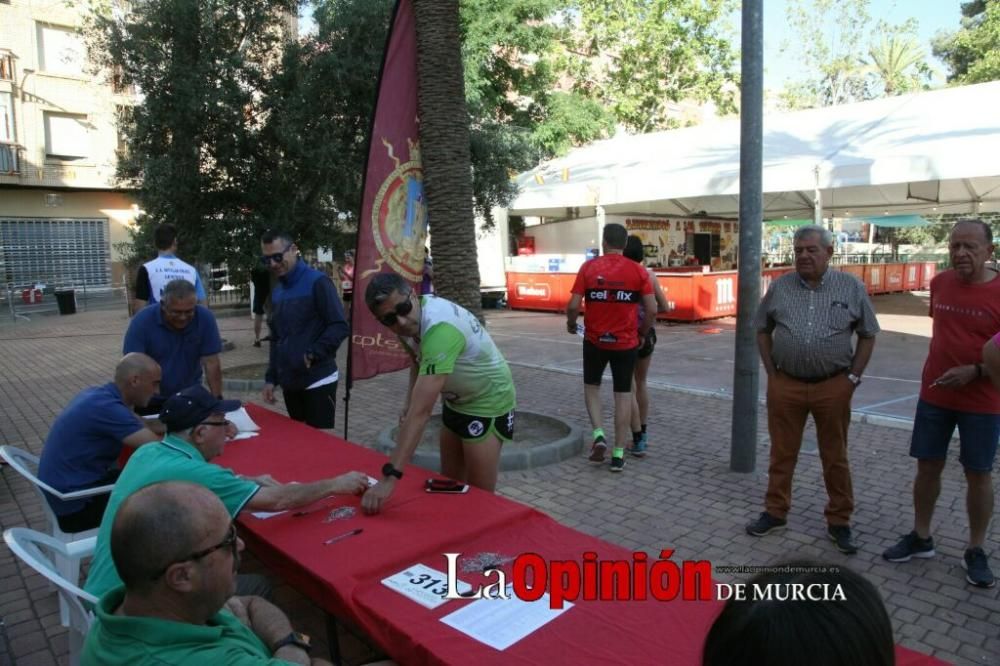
x: 898, y: 154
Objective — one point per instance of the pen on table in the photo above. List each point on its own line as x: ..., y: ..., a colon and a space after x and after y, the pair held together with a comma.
x: 337, y: 538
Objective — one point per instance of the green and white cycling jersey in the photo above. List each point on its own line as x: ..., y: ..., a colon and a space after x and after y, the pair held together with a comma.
x: 452, y: 342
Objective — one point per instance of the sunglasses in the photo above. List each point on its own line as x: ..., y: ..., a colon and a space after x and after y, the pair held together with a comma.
x: 275, y: 258
x: 401, y: 310
x: 228, y: 542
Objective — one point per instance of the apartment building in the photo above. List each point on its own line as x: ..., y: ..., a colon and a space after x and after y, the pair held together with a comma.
x: 61, y: 213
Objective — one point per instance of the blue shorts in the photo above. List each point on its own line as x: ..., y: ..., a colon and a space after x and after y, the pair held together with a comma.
x: 978, y: 435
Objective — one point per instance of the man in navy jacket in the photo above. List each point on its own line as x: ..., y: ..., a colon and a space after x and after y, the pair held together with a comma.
x: 307, y: 326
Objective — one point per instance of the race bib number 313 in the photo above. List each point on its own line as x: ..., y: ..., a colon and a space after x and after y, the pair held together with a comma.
x: 422, y: 584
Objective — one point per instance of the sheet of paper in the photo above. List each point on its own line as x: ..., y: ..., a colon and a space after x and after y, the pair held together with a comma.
x: 243, y: 435
x: 241, y: 419
x: 264, y: 515
x: 424, y: 585
x: 500, y: 623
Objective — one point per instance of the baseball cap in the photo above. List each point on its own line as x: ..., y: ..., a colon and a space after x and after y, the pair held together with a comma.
x: 186, y: 409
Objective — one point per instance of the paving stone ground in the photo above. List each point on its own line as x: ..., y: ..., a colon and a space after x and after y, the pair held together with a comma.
x: 681, y: 496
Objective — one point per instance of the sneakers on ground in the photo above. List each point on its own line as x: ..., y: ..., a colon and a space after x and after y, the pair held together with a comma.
x: 841, y: 535
x: 599, y: 449
x: 910, y: 546
x: 638, y: 448
x: 617, y: 463
x: 977, y: 568
x: 766, y: 524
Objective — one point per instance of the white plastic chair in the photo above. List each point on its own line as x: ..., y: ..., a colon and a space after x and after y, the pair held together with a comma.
x: 26, y: 464
x: 36, y: 550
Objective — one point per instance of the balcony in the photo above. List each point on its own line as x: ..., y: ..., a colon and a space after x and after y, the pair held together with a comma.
x: 10, y: 159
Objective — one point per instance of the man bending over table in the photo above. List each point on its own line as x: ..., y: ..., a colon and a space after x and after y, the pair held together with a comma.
x: 196, y: 433
x: 455, y: 357
x: 177, y: 550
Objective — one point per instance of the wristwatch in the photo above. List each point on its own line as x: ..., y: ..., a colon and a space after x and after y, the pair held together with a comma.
x: 854, y: 379
x: 389, y: 470
x: 295, y: 638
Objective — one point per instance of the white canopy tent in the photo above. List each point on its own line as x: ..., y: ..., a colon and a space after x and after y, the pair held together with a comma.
x: 931, y: 152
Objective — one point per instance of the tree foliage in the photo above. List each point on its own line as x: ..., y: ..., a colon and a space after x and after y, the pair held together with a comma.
x: 830, y: 36
x: 973, y: 53
x: 897, y: 59
x: 200, y: 67
x: 848, y: 61
x: 636, y: 58
x: 239, y: 129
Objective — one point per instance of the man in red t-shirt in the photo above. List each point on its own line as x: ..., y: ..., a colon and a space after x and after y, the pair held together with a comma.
x: 614, y: 287
x: 956, y: 391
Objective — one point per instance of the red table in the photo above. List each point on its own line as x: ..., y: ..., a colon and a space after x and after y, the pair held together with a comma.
x: 415, y: 527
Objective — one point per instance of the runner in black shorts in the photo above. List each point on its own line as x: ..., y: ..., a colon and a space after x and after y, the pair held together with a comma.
x: 614, y: 288
x: 622, y: 363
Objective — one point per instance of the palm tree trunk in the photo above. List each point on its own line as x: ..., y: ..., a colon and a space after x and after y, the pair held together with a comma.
x: 444, y: 145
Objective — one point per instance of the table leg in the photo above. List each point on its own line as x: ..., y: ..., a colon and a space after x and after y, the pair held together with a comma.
x: 333, y: 638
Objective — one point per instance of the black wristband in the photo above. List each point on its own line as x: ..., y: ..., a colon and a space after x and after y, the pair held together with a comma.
x: 300, y: 641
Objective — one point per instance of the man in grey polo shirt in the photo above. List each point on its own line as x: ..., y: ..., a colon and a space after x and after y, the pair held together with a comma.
x: 805, y: 326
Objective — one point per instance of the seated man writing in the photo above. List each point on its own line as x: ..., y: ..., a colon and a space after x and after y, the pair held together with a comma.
x: 87, y: 437
x: 176, y: 548
x: 196, y: 433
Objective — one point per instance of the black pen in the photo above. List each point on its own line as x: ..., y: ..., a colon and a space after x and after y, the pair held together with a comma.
x: 337, y: 538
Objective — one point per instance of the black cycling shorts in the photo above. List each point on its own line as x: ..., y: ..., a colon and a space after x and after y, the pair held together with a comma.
x: 622, y: 363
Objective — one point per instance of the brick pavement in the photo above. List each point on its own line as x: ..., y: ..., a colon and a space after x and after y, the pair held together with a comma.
x: 682, y: 496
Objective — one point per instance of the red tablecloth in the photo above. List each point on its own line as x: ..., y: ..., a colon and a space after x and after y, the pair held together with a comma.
x: 344, y: 578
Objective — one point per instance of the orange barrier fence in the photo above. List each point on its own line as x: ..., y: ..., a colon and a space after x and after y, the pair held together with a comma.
x: 697, y: 296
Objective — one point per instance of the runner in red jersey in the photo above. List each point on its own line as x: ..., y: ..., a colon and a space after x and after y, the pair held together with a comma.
x: 612, y: 286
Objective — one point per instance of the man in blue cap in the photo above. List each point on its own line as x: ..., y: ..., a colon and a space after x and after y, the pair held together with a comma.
x: 196, y: 433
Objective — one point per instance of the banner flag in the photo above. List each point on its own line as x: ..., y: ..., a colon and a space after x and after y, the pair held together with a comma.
x: 392, y: 229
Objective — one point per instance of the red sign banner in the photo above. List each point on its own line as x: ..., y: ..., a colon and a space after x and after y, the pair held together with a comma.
x: 392, y: 229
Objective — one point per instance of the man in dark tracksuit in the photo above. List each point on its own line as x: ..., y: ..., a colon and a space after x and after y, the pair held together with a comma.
x: 307, y: 326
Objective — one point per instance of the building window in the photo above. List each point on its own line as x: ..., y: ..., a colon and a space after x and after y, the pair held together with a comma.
x: 9, y: 150
x: 6, y: 118
x: 6, y: 64
x: 55, y: 252
x: 124, y: 118
x: 67, y: 136
x: 60, y: 50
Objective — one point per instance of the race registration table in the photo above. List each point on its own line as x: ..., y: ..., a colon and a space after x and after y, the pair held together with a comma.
x: 386, y: 578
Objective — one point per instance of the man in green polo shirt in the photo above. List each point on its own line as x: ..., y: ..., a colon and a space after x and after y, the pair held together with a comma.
x: 177, y: 550
x: 196, y: 433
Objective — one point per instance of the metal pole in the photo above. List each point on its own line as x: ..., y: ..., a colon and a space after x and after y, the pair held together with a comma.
x: 746, y: 379
x: 817, y: 200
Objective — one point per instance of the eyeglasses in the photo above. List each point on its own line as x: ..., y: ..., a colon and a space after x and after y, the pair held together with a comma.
x: 178, y: 313
x: 401, y: 310
x: 223, y: 422
x: 275, y: 258
x: 229, y: 541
